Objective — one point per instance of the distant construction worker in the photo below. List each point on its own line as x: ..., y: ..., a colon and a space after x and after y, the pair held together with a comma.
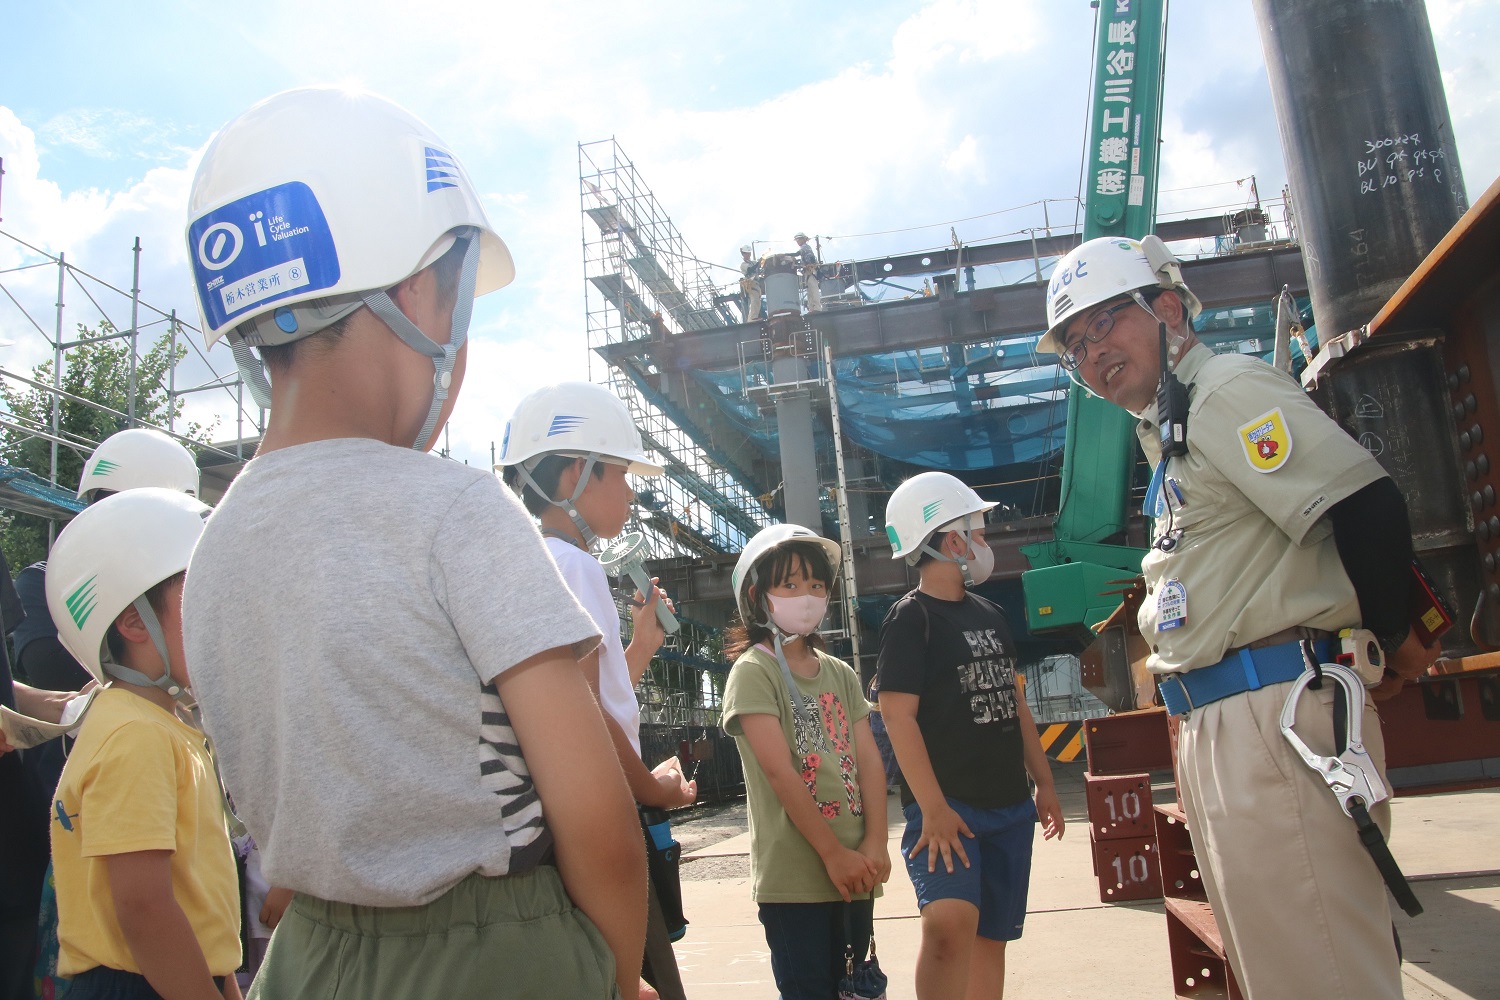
x: 1274, y: 530
x: 807, y: 259
x: 751, y: 286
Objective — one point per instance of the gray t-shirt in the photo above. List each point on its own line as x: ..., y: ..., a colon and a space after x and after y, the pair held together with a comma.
x: 346, y: 612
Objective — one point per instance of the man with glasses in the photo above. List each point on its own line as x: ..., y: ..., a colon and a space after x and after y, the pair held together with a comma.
x: 1272, y: 528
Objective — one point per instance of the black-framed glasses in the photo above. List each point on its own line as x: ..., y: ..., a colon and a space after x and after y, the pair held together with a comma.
x: 1097, y: 329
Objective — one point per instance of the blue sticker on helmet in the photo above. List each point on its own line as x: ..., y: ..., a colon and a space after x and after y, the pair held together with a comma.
x: 261, y: 248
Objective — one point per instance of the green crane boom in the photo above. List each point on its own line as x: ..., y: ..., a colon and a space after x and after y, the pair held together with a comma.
x: 1069, y: 575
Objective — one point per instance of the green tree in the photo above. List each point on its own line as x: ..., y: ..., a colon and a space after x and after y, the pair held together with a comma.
x: 98, y: 369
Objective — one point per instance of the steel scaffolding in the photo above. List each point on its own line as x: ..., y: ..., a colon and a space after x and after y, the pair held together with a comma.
x: 643, y: 282
x: 108, y: 304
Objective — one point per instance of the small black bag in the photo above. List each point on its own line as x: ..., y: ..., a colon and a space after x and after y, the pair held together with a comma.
x: 862, y: 980
x: 663, y: 859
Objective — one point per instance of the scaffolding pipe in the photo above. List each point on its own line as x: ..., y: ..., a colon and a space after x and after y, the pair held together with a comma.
x: 172, y: 379
x: 846, y: 541
x: 21, y: 428
x: 135, y: 304
x: 62, y: 272
x: 57, y: 359
x: 116, y: 413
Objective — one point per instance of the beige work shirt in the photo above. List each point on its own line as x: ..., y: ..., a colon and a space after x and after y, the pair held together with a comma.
x: 1255, y: 555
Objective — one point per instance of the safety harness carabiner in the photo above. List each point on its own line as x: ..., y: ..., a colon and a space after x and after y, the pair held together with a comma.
x: 1351, y: 775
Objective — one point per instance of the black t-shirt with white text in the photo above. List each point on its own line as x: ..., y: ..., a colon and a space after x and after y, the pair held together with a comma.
x: 959, y: 658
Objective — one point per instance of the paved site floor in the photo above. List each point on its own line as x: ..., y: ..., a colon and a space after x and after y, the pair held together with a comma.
x: 1076, y: 946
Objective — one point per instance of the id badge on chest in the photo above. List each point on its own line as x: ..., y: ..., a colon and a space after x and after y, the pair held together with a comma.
x: 1171, y: 606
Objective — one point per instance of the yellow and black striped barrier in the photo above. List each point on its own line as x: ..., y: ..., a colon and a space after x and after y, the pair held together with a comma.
x: 1062, y: 741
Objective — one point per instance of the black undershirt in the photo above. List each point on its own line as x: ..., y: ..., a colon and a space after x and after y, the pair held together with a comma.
x: 1373, y: 535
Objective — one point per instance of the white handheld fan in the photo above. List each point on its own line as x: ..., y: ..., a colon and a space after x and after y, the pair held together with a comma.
x: 622, y: 558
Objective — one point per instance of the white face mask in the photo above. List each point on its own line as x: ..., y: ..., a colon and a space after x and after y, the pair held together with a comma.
x: 981, y: 561
x: 797, y: 615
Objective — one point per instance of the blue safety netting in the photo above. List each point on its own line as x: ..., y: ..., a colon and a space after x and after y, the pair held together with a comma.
x: 960, y: 409
x: 29, y: 493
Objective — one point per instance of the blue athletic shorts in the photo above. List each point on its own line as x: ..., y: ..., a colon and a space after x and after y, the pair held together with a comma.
x: 999, y: 871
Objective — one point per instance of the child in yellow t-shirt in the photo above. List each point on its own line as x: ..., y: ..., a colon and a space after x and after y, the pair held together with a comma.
x: 147, y: 895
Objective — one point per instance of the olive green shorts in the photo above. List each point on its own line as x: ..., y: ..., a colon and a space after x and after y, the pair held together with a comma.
x: 516, y: 936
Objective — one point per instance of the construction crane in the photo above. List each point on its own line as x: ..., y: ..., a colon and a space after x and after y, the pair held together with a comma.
x: 1068, y: 588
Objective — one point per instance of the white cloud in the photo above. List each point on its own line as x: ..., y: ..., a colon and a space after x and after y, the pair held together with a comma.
x: 964, y: 159
x: 965, y: 31
x: 746, y: 124
x: 110, y: 134
x: 95, y: 230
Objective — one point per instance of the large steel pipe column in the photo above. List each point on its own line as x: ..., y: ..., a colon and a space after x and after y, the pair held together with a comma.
x: 1368, y: 144
x: 794, y: 415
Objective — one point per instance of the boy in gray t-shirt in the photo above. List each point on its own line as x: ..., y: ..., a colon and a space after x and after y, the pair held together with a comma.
x: 388, y: 656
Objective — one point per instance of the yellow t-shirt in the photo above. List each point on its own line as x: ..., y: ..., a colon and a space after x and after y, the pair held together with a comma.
x: 140, y: 779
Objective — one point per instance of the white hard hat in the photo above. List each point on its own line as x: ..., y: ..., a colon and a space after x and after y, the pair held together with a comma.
x: 800, y: 236
x: 319, y: 193
x: 111, y: 554
x: 577, y: 419
x: 1104, y: 269
x: 746, y: 249
x: 927, y: 503
x: 137, y: 457
x: 766, y: 541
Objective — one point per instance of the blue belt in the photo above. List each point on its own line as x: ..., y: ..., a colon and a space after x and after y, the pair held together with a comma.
x: 1242, y: 670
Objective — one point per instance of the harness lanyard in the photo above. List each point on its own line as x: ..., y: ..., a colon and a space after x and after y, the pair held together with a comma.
x: 1350, y: 773
x: 1152, y: 507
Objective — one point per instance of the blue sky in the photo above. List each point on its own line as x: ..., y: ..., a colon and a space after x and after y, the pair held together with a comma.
x: 748, y: 121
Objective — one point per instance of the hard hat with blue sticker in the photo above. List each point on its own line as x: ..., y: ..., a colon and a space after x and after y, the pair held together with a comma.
x: 261, y: 248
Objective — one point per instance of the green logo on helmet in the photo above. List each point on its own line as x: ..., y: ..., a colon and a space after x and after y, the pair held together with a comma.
x: 930, y: 511
x: 104, y: 467
x: 81, y: 601
x: 890, y: 532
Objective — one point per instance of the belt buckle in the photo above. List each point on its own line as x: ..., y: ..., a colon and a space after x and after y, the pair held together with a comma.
x: 1186, y: 694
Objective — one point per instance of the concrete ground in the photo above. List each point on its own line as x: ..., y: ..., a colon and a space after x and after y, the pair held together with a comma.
x: 1076, y: 946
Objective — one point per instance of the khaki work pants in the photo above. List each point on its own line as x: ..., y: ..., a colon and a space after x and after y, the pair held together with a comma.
x: 1300, y: 905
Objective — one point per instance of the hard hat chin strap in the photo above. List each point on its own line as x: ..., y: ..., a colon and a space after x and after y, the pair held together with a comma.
x: 962, y: 560
x: 178, y: 692
x: 1169, y: 357
x: 443, y: 355
x: 252, y: 370
x: 570, y: 505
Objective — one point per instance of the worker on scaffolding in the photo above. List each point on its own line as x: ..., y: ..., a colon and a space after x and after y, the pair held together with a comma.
x: 751, y: 285
x: 807, y: 260
x: 1274, y: 531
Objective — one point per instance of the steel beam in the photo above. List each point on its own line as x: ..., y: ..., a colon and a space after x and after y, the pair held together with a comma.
x: 950, y: 258
x: 965, y: 317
